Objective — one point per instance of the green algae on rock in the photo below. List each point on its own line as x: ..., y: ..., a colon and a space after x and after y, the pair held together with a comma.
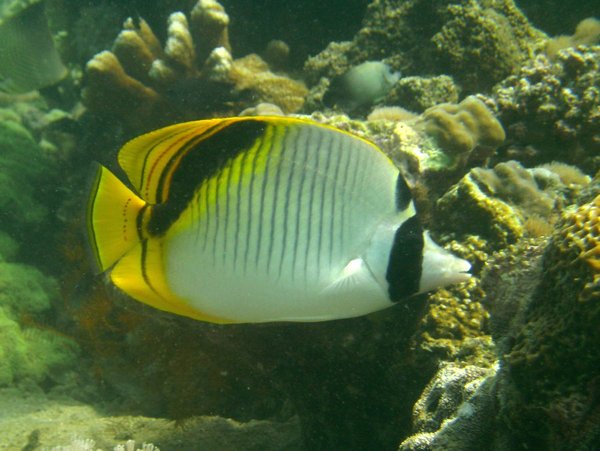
x: 30, y: 353
x: 23, y: 162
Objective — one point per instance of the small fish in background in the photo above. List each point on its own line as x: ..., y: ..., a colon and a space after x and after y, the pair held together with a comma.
x: 258, y: 219
x: 362, y: 85
x: 28, y: 58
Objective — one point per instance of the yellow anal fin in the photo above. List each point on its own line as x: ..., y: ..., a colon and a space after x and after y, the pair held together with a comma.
x: 140, y: 274
x: 112, y: 218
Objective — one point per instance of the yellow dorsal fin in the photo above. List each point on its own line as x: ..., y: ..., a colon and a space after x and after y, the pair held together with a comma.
x: 150, y: 159
x: 112, y: 218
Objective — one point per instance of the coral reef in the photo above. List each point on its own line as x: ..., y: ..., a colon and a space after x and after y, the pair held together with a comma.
x: 36, y: 420
x: 476, y: 43
x: 420, y: 93
x: 459, y: 128
x: 482, y: 43
x: 143, y: 85
x: 549, y: 395
x: 30, y: 352
x: 495, y: 203
x: 455, y: 410
x: 543, y: 295
x: 550, y: 109
x: 27, y: 171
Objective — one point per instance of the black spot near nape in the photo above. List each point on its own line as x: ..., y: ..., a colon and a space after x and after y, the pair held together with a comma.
x: 406, y: 260
x: 201, y: 162
x: 403, y: 194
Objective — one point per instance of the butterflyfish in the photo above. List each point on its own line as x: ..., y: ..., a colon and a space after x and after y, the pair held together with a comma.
x: 258, y: 219
x: 29, y: 57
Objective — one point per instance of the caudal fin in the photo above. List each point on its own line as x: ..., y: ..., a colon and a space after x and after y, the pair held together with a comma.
x: 112, y: 218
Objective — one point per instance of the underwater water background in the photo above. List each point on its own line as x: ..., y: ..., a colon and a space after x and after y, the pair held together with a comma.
x: 490, y: 110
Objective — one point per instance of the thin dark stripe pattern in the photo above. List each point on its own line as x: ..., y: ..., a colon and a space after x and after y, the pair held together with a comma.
x: 227, y: 206
x: 324, y: 151
x: 263, y: 190
x: 289, y: 142
x: 315, y: 139
x: 300, y: 143
x: 337, y: 154
x: 271, y: 235
x: 237, y: 243
x: 345, y: 154
x: 256, y: 153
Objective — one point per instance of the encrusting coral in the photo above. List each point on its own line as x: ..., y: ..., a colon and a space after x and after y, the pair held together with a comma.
x: 549, y: 396
x: 495, y: 203
x: 460, y: 128
x: 145, y: 85
x: 550, y: 109
x: 454, y: 411
x: 420, y: 93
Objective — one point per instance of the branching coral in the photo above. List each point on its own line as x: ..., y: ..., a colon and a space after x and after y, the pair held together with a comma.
x: 145, y: 85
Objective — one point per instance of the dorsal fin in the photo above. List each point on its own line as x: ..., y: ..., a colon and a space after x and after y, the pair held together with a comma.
x: 150, y: 159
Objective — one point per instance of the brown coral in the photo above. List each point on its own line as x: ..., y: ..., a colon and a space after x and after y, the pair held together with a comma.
x: 144, y: 85
x: 579, y: 243
x: 459, y: 128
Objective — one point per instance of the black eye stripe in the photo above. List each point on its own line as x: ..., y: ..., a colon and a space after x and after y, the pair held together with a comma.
x: 406, y: 260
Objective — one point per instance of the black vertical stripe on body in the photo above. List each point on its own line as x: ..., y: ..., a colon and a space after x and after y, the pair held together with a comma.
x: 290, y: 141
x: 206, y: 215
x: 201, y: 162
x: 405, y: 264
x: 403, y: 194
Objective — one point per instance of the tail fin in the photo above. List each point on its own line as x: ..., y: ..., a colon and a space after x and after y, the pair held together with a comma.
x: 112, y: 218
